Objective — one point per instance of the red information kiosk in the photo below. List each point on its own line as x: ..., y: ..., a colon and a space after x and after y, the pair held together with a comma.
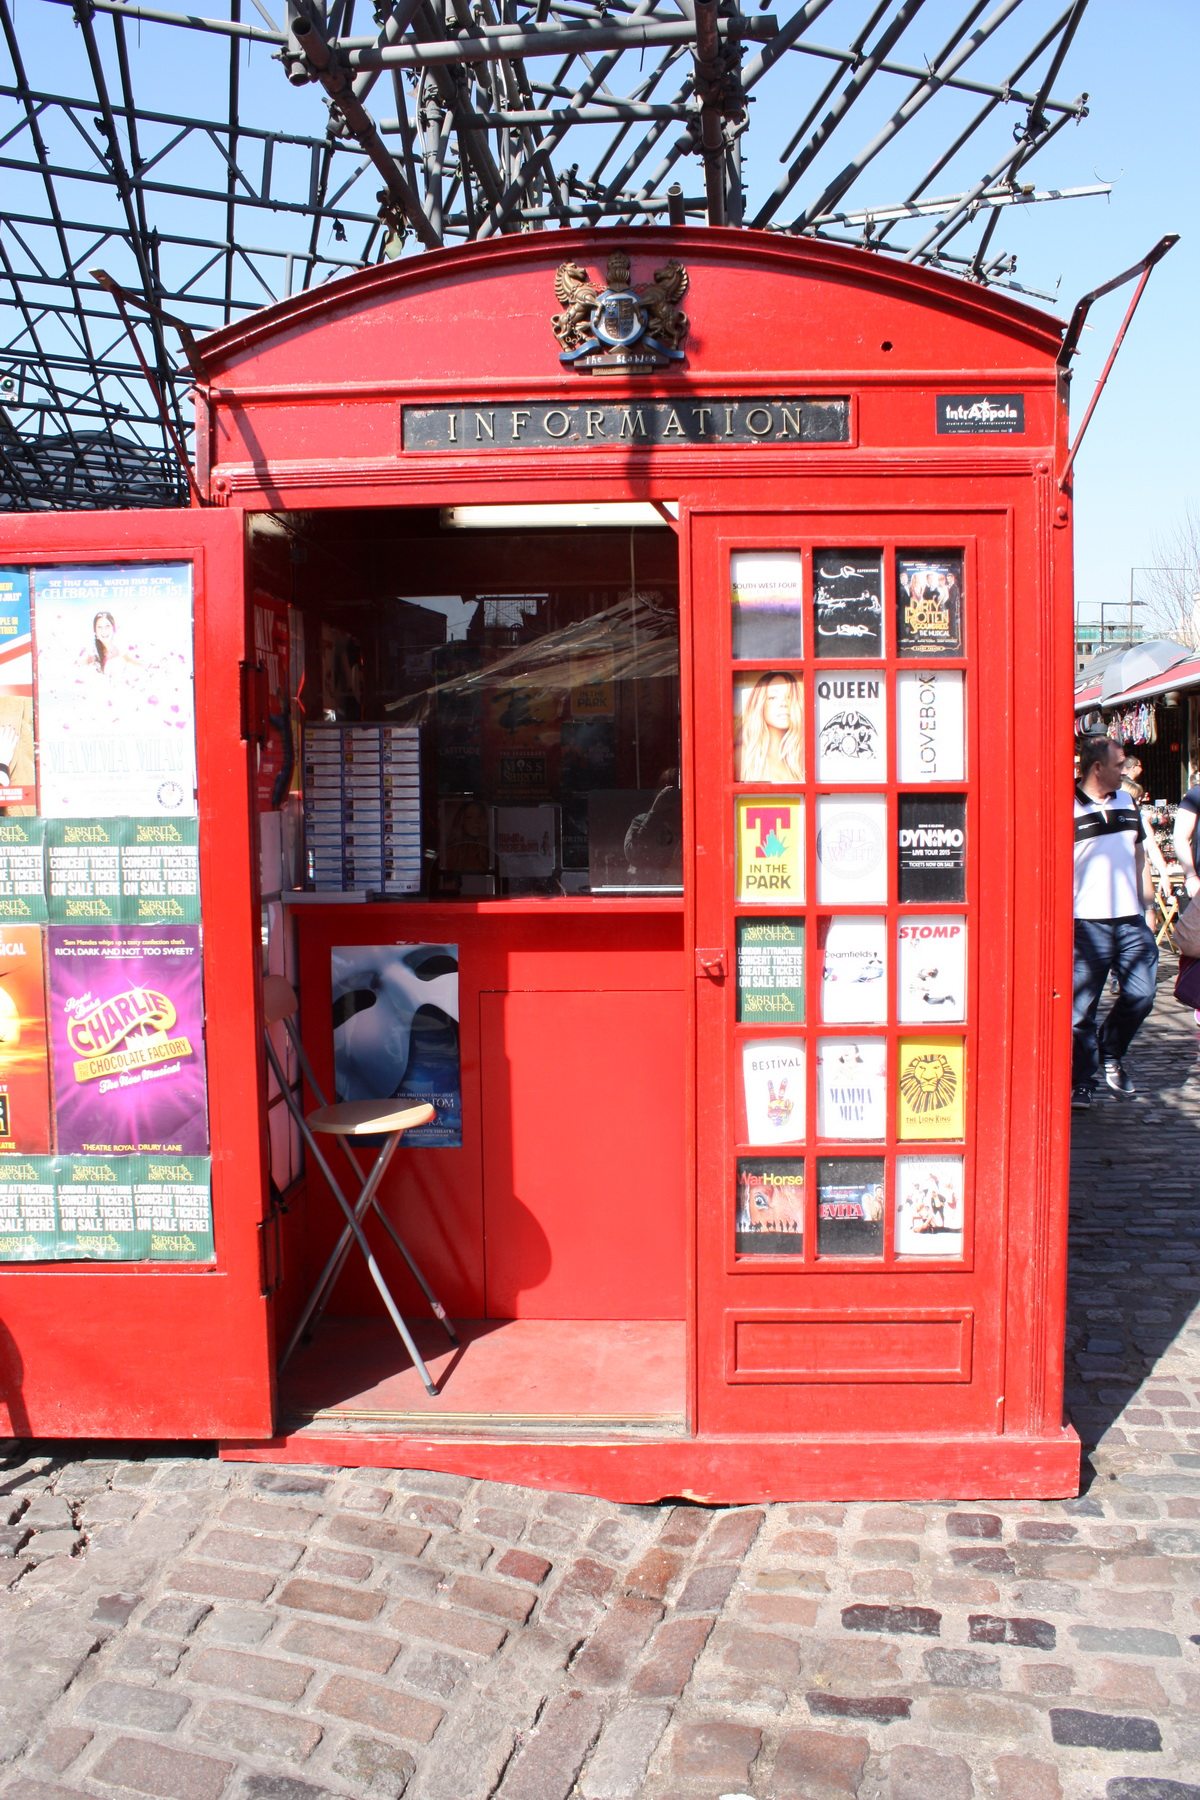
x: 631, y: 706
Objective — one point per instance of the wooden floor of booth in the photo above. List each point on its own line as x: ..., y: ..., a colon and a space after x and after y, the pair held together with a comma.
x: 539, y: 1375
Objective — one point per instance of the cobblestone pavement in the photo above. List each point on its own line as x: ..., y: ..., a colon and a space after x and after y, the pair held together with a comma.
x: 178, y: 1627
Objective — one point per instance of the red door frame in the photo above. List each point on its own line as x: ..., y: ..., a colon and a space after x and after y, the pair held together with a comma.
x: 126, y: 1350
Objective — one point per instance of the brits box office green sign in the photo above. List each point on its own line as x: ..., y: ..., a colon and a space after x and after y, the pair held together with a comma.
x: 105, y: 1209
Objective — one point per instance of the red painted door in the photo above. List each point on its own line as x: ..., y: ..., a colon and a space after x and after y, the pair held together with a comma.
x: 133, y: 1302
x: 855, y: 898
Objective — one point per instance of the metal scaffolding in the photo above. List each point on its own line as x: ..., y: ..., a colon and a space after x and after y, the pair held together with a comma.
x: 163, y: 168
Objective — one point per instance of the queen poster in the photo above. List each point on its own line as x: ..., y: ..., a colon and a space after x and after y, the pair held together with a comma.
x: 116, y: 724
x: 127, y: 1040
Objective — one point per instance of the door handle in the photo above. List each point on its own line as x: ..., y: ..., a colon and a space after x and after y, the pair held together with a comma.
x: 711, y: 963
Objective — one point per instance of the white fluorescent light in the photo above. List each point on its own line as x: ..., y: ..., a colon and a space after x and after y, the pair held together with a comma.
x: 569, y: 513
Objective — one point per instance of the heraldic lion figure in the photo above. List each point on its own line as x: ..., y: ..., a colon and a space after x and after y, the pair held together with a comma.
x: 661, y: 299
x: 577, y: 296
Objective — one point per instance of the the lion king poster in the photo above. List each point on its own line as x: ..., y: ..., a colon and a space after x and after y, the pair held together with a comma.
x: 930, y: 1088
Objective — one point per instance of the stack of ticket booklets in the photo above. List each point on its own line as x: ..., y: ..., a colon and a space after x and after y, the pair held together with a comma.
x: 362, y: 809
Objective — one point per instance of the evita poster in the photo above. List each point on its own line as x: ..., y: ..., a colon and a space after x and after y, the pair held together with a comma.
x: 127, y: 1040
x: 116, y: 727
x: 395, y: 1031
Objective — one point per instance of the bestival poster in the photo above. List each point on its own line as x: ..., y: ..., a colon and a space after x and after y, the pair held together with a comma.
x: 116, y: 722
x: 127, y: 1040
x: 773, y: 1090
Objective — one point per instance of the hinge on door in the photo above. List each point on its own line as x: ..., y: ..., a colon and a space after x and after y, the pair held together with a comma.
x: 270, y: 1245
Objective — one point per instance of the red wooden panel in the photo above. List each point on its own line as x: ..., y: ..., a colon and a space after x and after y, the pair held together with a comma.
x: 583, y: 1164
x: 858, y: 1344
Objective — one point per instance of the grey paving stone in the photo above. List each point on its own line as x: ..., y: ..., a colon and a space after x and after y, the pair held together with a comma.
x: 1111, y: 1640
x: 1102, y: 1731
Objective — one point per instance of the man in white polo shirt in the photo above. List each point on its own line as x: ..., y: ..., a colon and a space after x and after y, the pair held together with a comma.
x: 1111, y: 932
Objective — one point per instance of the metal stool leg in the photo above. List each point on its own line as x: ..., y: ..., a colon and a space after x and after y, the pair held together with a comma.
x: 341, y: 1251
x: 353, y: 1232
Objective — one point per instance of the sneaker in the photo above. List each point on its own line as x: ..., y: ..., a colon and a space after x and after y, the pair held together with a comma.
x: 1081, y: 1099
x: 1117, y: 1079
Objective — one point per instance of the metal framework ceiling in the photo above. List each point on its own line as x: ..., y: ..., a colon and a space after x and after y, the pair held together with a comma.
x: 212, y: 165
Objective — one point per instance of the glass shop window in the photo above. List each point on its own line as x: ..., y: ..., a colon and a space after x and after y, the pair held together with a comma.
x: 513, y: 730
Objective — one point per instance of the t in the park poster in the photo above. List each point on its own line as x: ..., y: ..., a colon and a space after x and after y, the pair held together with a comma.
x: 116, y: 722
x: 770, y: 849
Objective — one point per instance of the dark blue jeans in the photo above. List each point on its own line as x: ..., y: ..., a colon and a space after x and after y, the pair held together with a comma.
x: 1124, y: 948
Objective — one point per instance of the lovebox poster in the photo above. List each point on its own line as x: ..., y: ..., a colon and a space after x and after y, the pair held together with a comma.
x: 127, y: 1040
x: 116, y: 716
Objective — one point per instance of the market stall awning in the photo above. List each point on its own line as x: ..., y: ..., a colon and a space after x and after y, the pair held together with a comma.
x: 1122, y: 679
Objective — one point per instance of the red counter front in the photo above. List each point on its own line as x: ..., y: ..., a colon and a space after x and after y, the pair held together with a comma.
x: 756, y: 1186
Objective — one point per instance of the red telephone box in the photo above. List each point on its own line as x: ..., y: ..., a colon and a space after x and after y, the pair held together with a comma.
x: 664, y: 824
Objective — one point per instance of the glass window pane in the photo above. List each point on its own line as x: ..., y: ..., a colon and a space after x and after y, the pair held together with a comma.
x: 929, y: 725
x: 854, y: 989
x: 850, y: 1203
x: 770, y: 1206
x: 932, y: 847
x: 848, y: 603
x: 770, y: 848
x: 929, y: 603
x: 768, y: 713
x: 929, y: 1206
x: 770, y: 971
x: 773, y: 1090
x: 768, y: 595
x: 851, y: 725
x: 932, y: 959
x: 930, y: 1087
x: 852, y: 1088
x: 851, y: 848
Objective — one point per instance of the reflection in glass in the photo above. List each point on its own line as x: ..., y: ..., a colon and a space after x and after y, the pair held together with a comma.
x: 770, y: 1206
x: 770, y: 728
x: 850, y: 1203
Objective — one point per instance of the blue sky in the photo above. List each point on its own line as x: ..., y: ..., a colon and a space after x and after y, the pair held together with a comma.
x: 1139, y: 467
x: 1138, y: 60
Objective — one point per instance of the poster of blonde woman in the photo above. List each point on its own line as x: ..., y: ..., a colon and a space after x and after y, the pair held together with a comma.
x: 769, y: 728
x: 116, y: 725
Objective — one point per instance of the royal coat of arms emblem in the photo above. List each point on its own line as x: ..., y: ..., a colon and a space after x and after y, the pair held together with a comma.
x: 618, y: 326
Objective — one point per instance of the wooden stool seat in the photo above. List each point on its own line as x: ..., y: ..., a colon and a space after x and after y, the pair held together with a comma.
x: 368, y: 1118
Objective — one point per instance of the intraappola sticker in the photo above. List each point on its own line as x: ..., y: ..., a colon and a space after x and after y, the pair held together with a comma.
x: 974, y: 415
